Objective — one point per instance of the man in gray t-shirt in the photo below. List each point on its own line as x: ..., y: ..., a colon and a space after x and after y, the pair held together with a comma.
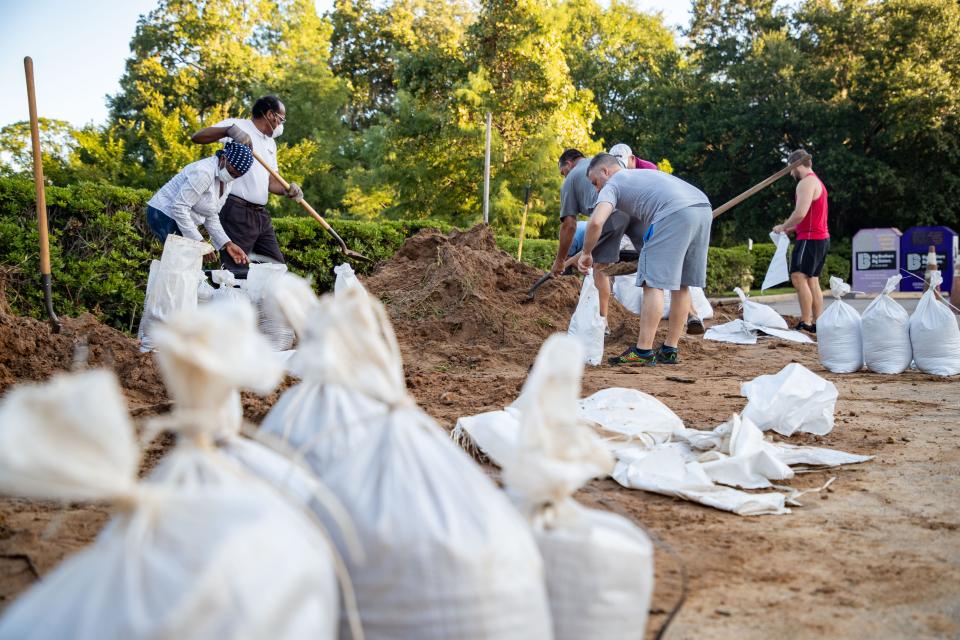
x: 674, y: 218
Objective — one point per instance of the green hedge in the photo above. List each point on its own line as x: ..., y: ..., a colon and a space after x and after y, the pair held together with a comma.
x: 102, y: 230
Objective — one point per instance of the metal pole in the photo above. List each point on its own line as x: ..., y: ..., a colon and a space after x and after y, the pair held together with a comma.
x: 486, y: 173
x: 45, y: 277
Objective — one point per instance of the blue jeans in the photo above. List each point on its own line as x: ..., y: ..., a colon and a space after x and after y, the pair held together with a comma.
x: 161, y: 224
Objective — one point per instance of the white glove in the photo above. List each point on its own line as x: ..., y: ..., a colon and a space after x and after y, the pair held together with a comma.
x: 239, y: 135
x: 295, y: 192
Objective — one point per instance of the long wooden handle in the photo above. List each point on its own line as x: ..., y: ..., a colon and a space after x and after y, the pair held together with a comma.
x: 761, y: 185
x: 38, y: 170
x: 286, y: 185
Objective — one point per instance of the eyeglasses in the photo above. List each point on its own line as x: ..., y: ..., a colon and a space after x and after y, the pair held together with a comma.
x: 282, y: 118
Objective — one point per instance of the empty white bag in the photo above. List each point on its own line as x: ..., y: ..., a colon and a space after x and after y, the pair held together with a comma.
x: 226, y: 560
x: 795, y: 399
x: 587, y: 324
x: 628, y: 294
x: 778, y: 272
x: 760, y: 314
x: 599, y: 566
x: 934, y: 334
x: 885, y: 326
x: 447, y: 555
x: 839, y: 340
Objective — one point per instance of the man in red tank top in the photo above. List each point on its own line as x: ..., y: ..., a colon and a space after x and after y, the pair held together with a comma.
x: 809, y: 221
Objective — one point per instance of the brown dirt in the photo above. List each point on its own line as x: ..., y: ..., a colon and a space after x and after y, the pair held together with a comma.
x: 876, y: 556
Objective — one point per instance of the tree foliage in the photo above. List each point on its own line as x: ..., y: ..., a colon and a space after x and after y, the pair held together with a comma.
x: 386, y: 103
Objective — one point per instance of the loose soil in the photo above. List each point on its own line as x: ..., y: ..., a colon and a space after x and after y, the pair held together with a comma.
x: 877, y: 555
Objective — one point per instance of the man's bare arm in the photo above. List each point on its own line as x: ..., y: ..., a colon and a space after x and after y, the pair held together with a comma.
x: 598, y: 218
x: 568, y: 228
x: 806, y: 188
x: 209, y: 135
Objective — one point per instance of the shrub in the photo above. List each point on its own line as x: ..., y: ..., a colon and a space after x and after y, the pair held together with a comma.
x: 539, y: 253
x: 729, y: 268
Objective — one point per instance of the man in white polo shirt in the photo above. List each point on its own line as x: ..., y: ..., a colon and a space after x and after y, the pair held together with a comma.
x: 244, y: 216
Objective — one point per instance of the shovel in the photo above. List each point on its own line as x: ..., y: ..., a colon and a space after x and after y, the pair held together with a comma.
x: 303, y: 203
x: 631, y: 267
x: 45, y: 273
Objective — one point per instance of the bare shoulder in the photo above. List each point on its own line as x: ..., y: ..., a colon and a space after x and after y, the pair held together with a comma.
x: 809, y: 184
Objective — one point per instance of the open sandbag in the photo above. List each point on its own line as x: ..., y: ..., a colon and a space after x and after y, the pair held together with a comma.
x: 586, y: 324
x: 885, y: 327
x: 759, y: 314
x: 447, y: 555
x: 794, y: 399
x: 839, y: 339
x: 176, y: 561
x: 599, y: 566
x: 934, y: 334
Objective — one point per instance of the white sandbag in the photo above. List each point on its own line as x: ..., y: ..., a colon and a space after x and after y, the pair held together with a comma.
x: 447, y: 555
x: 628, y: 294
x: 261, y: 278
x: 760, y: 314
x: 934, y: 333
x: 346, y: 278
x: 745, y: 459
x: 668, y: 470
x: 779, y: 271
x: 701, y: 305
x: 630, y: 412
x: 495, y: 434
x: 173, y: 283
x: 599, y: 566
x: 174, y: 562
x: 795, y: 399
x: 839, y: 339
x: 742, y: 332
x: 885, y: 327
x: 294, y: 298
x: 587, y: 324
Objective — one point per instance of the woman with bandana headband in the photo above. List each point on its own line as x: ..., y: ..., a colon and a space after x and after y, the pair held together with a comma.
x: 195, y: 196
x: 244, y: 215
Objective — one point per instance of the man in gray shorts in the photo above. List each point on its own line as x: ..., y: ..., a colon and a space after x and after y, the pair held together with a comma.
x: 673, y: 219
x: 577, y: 197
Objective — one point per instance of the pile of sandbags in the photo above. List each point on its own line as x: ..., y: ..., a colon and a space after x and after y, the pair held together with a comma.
x: 446, y: 553
x: 599, y: 566
x: 201, y: 550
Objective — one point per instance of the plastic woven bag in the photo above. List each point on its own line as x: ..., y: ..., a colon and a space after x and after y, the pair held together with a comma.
x: 759, y: 314
x: 839, y: 339
x: 173, y: 283
x: 587, y: 324
x: 599, y: 566
x: 934, y: 334
x: 885, y: 327
x: 795, y: 399
x: 447, y: 555
x: 260, y: 280
x: 175, y: 561
x: 346, y: 278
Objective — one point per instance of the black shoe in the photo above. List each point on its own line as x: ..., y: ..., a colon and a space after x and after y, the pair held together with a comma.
x: 809, y: 328
x: 695, y: 327
x: 665, y: 355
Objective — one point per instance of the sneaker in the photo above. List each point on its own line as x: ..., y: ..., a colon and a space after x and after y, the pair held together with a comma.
x: 695, y: 326
x: 809, y: 328
x: 666, y: 355
x: 635, y: 357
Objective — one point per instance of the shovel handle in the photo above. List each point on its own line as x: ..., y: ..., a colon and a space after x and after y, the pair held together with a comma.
x: 303, y: 203
x: 760, y: 185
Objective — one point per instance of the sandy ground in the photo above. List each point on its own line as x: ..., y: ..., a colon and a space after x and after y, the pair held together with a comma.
x: 877, y: 556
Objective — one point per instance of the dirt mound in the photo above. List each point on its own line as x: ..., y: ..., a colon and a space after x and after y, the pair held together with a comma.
x: 459, y: 290
x: 30, y: 350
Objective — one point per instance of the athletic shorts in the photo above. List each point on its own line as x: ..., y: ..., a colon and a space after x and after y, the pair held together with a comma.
x: 674, y: 252
x: 617, y: 225
x: 809, y: 257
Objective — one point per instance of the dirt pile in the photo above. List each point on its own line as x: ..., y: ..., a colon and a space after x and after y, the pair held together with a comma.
x: 30, y: 350
x: 459, y: 290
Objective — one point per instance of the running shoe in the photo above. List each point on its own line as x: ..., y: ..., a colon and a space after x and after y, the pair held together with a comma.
x: 695, y: 326
x: 666, y: 355
x: 634, y: 356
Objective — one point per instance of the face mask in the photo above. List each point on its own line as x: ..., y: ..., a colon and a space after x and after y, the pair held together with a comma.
x: 225, y: 176
x: 277, y: 132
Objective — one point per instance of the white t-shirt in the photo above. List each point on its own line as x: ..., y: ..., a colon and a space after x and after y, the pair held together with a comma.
x: 192, y: 197
x: 254, y: 185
